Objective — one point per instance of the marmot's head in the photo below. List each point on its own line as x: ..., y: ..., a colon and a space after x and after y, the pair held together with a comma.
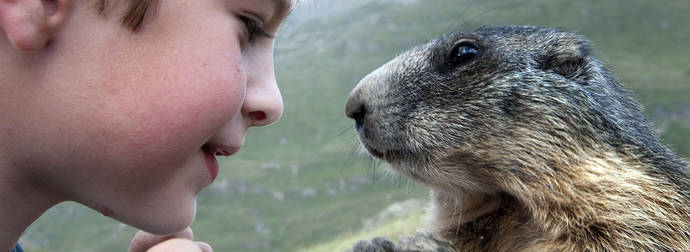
x: 465, y: 108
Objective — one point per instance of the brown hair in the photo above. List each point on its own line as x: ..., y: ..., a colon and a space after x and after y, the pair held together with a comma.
x: 134, y: 15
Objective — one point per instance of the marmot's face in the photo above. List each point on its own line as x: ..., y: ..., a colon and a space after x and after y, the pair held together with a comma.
x: 464, y: 98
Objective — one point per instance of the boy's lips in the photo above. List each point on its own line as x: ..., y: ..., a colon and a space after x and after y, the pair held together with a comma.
x: 225, y: 151
x: 210, y: 154
x: 211, y: 163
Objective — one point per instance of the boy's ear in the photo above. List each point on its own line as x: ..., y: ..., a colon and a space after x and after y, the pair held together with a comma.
x: 30, y: 24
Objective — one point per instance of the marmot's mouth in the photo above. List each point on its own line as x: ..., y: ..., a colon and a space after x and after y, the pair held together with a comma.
x: 377, y: 153
x: 366, y: 142
x: 389, y: 156
x: 382, y: 149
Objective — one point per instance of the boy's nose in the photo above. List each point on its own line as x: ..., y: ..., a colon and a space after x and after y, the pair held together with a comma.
x: 263, y: 103
x: 264, y: 111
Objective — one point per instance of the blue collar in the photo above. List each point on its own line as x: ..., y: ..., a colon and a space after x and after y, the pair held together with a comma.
x: 17, y: 248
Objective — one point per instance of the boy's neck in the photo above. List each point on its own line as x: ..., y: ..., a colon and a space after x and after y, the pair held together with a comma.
x: 22, y: 204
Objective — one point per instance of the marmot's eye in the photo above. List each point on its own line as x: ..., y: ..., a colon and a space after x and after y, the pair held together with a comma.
x: 462, y: 53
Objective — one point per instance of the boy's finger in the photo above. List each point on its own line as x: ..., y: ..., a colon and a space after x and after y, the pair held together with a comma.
x: 179, y: 245
x: 143, y: 241
x: 205, y: 247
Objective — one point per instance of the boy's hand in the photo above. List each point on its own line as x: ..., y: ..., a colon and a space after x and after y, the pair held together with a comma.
x: 181, y: 242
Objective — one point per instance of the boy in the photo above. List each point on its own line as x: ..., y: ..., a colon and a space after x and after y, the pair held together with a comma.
x: 125, y: 115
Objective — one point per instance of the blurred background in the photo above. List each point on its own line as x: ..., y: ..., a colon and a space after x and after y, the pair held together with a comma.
x: 302, y: 184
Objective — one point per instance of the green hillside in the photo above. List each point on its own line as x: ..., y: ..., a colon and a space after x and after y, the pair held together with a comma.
x: 302, y: 183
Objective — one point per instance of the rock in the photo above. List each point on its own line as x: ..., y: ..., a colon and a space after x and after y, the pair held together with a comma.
x: 395, y: 211
x: 270, y: 166
x: 279, y: 195
x: 306, y: 192
x: 295, y: 170
x: 220, y: 186
x: 260, y: 228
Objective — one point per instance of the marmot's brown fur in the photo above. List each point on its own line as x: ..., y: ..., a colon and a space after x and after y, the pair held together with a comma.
x: 528, y: 142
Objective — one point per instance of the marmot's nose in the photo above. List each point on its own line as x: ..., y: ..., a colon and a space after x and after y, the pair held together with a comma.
x: 356, y: 107
x: 363, y: 101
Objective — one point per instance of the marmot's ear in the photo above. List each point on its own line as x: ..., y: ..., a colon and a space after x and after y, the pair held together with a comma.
x: 30, y: 24
x: 566, y: 54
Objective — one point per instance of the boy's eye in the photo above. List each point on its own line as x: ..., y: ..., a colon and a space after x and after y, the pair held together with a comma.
x: 254, y: 29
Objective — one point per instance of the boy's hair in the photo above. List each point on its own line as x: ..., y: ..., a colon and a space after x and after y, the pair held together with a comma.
x: 134, y: 15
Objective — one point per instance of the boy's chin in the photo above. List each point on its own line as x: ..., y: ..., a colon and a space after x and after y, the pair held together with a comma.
x: 166, y: 222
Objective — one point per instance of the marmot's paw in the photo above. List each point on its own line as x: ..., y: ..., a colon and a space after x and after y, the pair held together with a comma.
x: 377, y: 244
x: 420, y: 241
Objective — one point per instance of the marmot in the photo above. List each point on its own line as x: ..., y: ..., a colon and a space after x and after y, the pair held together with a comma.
x: 528, y: 143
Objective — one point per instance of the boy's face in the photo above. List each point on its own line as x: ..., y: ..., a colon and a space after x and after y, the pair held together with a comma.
x: 123, y: 122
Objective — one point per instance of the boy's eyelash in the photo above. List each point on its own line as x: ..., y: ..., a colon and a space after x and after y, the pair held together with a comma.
x: 254, y: 29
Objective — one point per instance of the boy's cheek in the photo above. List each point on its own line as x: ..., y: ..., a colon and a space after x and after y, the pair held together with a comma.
x: 177, y: 100
x: 133, y: 137
x: 171, y: 121
x: 169, y: 117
